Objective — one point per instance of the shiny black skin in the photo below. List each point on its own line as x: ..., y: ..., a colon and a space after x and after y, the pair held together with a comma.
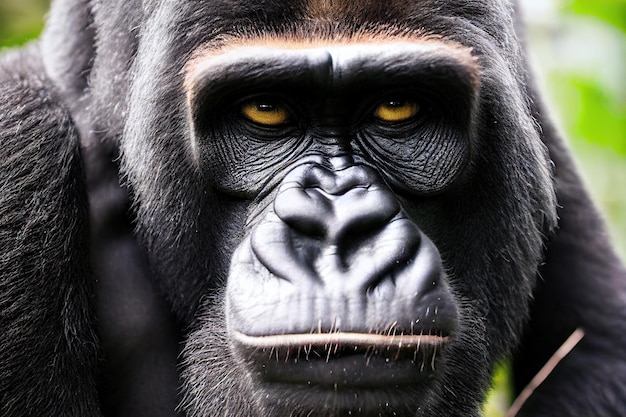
x: 148, y: 232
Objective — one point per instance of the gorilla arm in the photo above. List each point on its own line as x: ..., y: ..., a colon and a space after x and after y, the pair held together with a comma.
x: 44, y: 280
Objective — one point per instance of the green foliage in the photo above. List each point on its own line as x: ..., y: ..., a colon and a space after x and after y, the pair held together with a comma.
x: 501, y: 395
x: 21, y: 21
x: 589, y: 111
x: 610, y: 11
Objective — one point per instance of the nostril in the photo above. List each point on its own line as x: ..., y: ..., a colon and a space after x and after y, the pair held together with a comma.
x: 362, y: 211
x: 305, y: 210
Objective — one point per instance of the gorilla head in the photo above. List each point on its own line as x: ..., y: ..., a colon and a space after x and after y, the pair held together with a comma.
x: 372, y: 204
x: 346, y: 206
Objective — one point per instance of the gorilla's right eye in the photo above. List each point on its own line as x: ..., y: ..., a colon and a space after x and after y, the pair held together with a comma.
x: 266, y: 112
x: 396, y: 110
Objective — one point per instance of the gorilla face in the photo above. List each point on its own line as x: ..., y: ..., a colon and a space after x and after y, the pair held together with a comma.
x: 358, y: 196
x: 334, y: 290
x: 357, y: 201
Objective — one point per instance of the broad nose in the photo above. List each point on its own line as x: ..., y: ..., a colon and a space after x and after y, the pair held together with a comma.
x: 339, y: 204
x: 341, y: 227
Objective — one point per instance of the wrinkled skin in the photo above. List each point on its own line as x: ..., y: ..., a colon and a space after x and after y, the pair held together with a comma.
x: 293, y: 208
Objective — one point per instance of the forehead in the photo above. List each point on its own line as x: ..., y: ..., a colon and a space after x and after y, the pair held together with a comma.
x: 272, y: 14
x: 194, y: 25
x: 341, y: 10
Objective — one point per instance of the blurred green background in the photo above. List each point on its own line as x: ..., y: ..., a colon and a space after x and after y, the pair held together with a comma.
x: 21, y: 20
x: 578, y: 48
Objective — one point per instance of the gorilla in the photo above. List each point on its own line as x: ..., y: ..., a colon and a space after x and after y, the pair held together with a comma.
x: 273, y: 208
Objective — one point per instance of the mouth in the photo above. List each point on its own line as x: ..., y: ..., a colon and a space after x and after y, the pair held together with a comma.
x: 343, y: 360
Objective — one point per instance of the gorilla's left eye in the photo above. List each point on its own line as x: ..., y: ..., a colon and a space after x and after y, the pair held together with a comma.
x: 266, y: 112
x: 396, y: 110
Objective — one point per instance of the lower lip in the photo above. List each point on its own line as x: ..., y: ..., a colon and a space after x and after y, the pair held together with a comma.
x: 341, y: 360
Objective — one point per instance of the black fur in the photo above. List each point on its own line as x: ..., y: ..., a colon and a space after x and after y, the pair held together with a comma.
x: 48, y: 343
x: 102, y: 92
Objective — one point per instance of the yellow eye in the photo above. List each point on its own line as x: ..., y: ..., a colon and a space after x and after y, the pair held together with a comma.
x: 265, y: 112
x: 396, y: 110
